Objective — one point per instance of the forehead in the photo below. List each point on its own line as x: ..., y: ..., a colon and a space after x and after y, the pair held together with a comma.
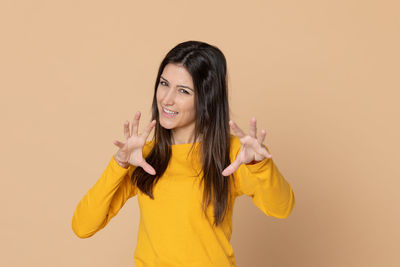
x: 177, y: 74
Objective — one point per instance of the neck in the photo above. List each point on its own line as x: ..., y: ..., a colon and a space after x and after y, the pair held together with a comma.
x: 176, y: 140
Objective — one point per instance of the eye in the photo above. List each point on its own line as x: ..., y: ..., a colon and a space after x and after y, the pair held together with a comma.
x: 163, y: 83
x: 184, y: 91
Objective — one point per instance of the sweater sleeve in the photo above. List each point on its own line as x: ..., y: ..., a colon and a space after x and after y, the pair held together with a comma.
x: 267, y: 187
x: 103, y: 201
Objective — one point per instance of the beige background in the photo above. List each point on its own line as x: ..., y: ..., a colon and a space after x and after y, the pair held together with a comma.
x: 321, y: 76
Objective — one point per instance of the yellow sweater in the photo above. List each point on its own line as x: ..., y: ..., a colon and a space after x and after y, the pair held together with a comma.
x: 173, y: 230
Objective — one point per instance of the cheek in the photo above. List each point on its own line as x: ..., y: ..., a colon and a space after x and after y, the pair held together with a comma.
x: 186, y: 104
x: 191, y: 109
x: 159, y: 95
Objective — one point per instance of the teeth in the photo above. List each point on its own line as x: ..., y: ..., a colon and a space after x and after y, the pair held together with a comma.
x: 169, y: 112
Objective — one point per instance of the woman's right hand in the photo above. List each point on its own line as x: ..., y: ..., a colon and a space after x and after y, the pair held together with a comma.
x: 130, y: 152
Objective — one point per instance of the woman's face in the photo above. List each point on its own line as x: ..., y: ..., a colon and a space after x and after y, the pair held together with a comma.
x: 175, y: 102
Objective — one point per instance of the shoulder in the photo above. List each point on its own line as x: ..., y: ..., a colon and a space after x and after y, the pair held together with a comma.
x: 235, y: 141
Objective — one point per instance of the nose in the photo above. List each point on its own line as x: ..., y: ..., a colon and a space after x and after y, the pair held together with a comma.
x: 169, y: 98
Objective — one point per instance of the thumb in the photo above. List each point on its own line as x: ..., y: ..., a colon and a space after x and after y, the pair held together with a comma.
x: 231, y: 168
x: 118, y: 144
x: 148, y: 168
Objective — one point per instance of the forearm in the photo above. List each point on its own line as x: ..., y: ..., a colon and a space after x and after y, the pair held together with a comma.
x: 269, y: 190
x: 124, y: 165
x: 92, y: 212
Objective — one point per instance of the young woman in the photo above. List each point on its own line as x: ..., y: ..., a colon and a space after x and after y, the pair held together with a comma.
x: 187, y: 178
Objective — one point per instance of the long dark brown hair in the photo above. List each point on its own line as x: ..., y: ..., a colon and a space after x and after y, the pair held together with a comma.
x: 207, y: 66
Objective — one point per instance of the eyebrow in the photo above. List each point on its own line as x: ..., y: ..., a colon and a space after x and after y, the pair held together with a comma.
x: 184, y: 86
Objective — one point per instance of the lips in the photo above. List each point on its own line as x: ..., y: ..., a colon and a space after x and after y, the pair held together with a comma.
x: 168, y: 111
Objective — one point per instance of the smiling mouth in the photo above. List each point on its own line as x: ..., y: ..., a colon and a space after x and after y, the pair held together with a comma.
x: 169, y: 111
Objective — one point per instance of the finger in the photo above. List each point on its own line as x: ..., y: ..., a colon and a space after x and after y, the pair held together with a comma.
x: 151, y: 125
x: 118, y: 144
x: 126, y: 130
x: 248, y: 141
x: 253, y: 128
x: 261, y: 137
x: 231, y: 168
x: 148, y: 168
x: 135, y: 123
x: 236, y: 130
x: 263, y: 151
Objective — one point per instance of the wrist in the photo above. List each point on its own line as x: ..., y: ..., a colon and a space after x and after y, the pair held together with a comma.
x: 124, y: 165
x: 253, y: 162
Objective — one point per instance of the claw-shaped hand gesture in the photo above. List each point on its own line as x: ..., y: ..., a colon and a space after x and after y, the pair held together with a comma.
x: 130, y: 152
x: 251, y: 148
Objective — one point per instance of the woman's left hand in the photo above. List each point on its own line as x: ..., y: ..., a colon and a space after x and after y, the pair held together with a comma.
x: 252, y: 149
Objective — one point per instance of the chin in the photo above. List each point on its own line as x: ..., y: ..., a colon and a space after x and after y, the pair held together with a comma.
x: 166, y: 125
